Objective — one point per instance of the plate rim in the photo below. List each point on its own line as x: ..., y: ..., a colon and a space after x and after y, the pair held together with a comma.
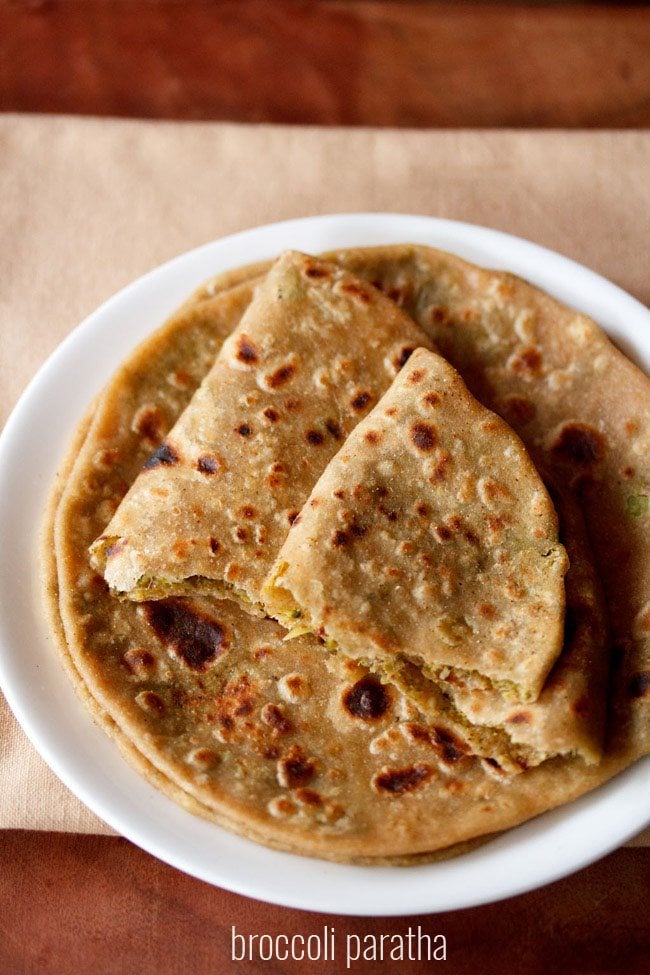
x: 180, y: 267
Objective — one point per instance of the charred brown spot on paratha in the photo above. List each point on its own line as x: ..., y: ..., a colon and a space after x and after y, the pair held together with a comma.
x: 194, y: 637
x: 432, y: 399
x: 372, y: 437
x: 203, y: 758
x: 151, y: 703
x: 441, y: 466
x: 295, y: 768
x: 244, y: 430
x: 579, y: 445
x: 271, y: 414
x: 292, y: 405
x: 316, y: 272
x: 450, y: 747
x: 140, y: 662
x: 423, y: 436
x: 639, y: 685
x: 360, y: 400
x: 165, y: 456
x: 415, y: 377
x: 440, y: 315
x: 246, y: 511
x: 150, y: 423
x: 526, y: 361
x: 368, y: 699
x: 209, y: 464
x: 293, y: 517
x: 275, y: 718
x: 398, y: 781
x: 314, y: 437
x: 247, y: 352
x: 517, y: 410
x: 340, y: 538
x: 403, y: 356
x: 334, y: 429
x: 214, y: 545
x: 281, y: 376
x: 308, y: 797
x: 357, y: 291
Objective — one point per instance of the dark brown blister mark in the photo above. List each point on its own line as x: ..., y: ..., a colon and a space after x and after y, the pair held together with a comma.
x: 209, y: 464
x: 368, y: 699
x: 424, y: 436
x: 517, y: 410
x: 246, y: 511
x: 439, y: 472
x: 404, y: 355
x: 360, y: 400
x: 340, y: 538
x: 247, y: 352
x: 275, y: 718
x: 140, y: 662
x: 450, y: 748
x: 281, y: 376
x: 357, y: 291
x: 165, y: 455
x: 526, y: 362
x: 150, y: 423
x: 579, y: 445
x: 372, y: 437
x: 295, y: 768
x: 293, y: 517
x: 439, y: 315
x: 314, y: 437
x: 398, y: 781
x: 151, y: 702
x: 639, y: 684
x: 308, y: 797
x: 312, y: 271
x: 196, y: 638
x: 271, y: 415
x: 214, y: 545
x: 244, y: 430
x: 334, y: 429
x: 415, y: 377
x: 432, y: 399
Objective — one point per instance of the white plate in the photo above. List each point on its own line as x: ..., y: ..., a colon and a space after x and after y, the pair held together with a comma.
x: 44, y: 702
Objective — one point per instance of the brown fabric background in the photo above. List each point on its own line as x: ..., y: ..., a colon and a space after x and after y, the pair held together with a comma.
x: 88, y: 205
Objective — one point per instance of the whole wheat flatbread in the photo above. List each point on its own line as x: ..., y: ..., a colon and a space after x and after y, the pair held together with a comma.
x: 136, y: 670
x: 431, y: 538
x: 314, y: 351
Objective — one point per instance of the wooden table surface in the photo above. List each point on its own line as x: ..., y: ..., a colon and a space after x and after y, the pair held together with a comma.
x: 73, y: 904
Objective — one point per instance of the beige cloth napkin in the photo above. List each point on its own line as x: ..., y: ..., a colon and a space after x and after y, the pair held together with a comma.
x: 88, y: 205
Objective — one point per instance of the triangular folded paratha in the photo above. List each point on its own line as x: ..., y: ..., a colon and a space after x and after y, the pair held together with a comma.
x: 430, y: 538
x: 312, y: 355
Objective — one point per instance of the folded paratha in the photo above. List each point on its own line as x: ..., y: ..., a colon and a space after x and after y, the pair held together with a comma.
x: 430, y: 538
x: 313, y: 353
x: 399, y: 817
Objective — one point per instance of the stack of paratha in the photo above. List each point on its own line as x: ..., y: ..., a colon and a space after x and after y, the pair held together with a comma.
x: 436, y: 478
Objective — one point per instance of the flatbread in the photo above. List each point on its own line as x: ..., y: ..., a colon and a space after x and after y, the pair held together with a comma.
x: 314, y: 351
x: 431, y: 538
x: 416, y: 814
x: 579, y: 405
